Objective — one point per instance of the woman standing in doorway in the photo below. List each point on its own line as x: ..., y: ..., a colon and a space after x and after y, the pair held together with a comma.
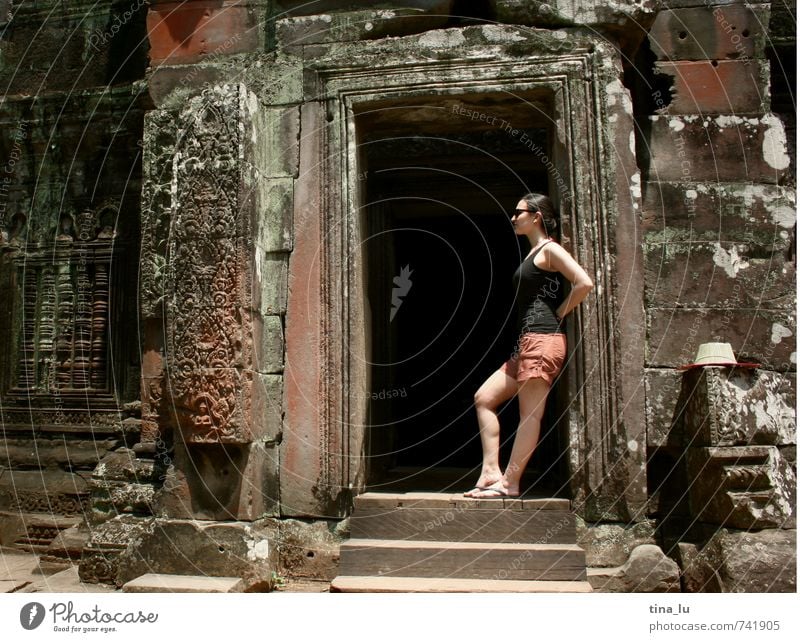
x: 540, y: 351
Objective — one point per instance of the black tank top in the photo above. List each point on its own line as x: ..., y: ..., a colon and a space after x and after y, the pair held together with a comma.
x: 539, y: 294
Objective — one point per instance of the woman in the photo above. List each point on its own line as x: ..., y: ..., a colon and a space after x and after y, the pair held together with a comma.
x: 540, y: 351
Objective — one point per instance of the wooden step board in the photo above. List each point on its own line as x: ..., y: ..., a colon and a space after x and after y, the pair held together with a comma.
x: 453, y: 518
x: 467, y: 560
x: 440, y: 542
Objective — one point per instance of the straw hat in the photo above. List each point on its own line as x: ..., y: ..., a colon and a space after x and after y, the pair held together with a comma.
x: 717, y: 354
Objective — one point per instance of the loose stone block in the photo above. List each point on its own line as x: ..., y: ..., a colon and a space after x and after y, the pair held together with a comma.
x: 166, y: 583
x: 100, y: 558
x: 723, y: 148
x: 742, y: 487
x: 245, y: 550
x: 310, y: 549
x: 68, y: 544
x: 711, y: 87
x: 647, y: 570
x: 123, y: 483
x: 741, y: 562
x: 608, y: 545
x: 734, y: 31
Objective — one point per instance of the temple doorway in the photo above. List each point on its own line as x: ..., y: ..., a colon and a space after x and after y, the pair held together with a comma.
x: 438, y: 179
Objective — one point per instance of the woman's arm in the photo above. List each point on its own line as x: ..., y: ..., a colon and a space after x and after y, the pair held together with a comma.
x: 559, y: 259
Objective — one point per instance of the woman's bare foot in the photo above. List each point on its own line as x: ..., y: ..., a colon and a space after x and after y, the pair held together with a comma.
x: 499, y: 489
x: 486, y: 479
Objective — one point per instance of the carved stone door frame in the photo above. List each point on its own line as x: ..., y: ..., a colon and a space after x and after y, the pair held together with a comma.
x: 325, y: 423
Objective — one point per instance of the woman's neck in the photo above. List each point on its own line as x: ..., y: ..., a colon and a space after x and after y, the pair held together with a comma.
x: 536, y: 238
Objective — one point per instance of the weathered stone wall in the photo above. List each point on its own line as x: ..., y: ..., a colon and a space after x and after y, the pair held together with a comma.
x: 719, y: 232
x: 70, y: 132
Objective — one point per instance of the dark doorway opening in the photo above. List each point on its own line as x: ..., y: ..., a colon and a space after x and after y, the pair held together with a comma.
x: 438, y: 179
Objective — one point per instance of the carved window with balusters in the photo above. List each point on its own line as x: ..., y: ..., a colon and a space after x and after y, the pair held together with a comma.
x: 62, y: 281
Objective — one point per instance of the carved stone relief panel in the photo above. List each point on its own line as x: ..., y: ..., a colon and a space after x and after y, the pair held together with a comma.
x: 63, y: 288
x: 735, y: 407
x: 742, y: 487
x: 207, y: 282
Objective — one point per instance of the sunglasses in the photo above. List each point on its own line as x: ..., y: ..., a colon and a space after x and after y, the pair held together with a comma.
x: 518, y: 212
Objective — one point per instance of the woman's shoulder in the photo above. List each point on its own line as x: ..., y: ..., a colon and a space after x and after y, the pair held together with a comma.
x: 554, y: 255
x: 552, y: 246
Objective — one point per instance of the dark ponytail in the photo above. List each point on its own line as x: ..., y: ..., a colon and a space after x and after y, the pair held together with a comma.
x: 542, y: 204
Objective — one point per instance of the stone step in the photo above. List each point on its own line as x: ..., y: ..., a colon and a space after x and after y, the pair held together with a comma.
x: 389, y: 501
x: 466, y: 560
x: 165, y: 583
x: 368, y: 584
x: 541, y: 526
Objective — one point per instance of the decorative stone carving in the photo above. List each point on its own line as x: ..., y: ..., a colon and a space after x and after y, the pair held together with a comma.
x: 742, y: 487
x: 157, y: 168
x: 208, y: 324
x: 50, y: 492
x: 123, y: 483
x: 100, y: 558
x: 64, y: 278
x: 736, y: 406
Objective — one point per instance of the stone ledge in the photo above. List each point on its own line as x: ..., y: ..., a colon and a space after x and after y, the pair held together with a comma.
x: 164, y: 583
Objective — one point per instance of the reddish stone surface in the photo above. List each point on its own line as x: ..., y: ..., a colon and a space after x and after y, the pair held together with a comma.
x: 708, y: 87
x: 301, y: 461
x: 722, y: 148
x: 710, y: 33
x: 629, y: 277
x: 189, y: 31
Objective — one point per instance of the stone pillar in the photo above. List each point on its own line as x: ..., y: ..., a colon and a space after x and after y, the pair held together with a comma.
x: 736, y: 433
x: 207, y: 276
x: 735, y: 424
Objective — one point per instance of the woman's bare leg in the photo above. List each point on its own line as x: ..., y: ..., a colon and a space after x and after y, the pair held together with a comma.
x: 532, y: 396
x: 499, y: 387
